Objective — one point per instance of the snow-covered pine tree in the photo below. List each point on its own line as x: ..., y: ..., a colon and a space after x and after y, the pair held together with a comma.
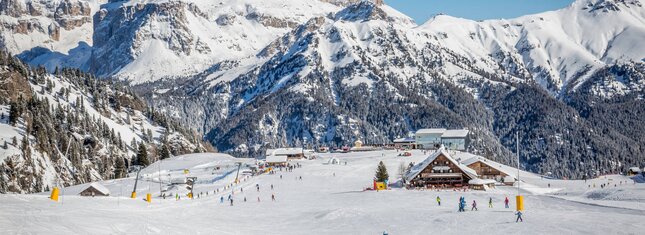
x: 381, y: 173
x: 165, y: 152
x: 142, y: 155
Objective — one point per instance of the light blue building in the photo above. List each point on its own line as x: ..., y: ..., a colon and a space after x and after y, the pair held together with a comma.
x: 429, y: 138
x: 455, y: 139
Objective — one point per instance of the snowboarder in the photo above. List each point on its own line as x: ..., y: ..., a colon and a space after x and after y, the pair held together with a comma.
x: 474, y: 206
x: 490, y: 202
x: 438, y: 201
x: 519, y: 217
x: 506, y: 202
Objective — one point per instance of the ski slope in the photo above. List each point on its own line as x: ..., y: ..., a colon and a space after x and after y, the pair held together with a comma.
x: 328, y: 200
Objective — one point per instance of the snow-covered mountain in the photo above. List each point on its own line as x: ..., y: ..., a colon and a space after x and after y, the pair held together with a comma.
x: 69, y: 128
x: 258, y: 73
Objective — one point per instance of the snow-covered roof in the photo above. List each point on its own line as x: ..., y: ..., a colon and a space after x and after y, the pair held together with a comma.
x: 635, y: 169
x: 419, y: 167
x: 404, y: 140
x: 478, y: 181
x: 98, y: 187
x: 284, y: 151
x: 460, y: 133
x: 469, y: 158
x: 431, y: 131
x: 276, y: 158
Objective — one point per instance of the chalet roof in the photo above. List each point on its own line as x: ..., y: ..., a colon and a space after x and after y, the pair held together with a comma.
x: 635, y: 169
x: 460, y: 133
x: 419, y: 167
x: 284, y: 151
x: 276, y: 159
x: 468, y: 158
x: 431, y: 131
x: 98, y: 187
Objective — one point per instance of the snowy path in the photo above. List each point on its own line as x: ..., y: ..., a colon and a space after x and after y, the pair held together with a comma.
x: 320, y: 203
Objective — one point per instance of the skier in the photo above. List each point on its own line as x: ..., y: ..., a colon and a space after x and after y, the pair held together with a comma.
x: 438, y: 201
x: 474, y: 206
x: 300, y: 177
x: 273, y: 197
x: 490, y: 202
x: 271, y: 186
x: 519, y: 217
x: 221, y: 199
x: 280, y: 176
x: 258, y: 187
x: 231, y: 201
x: 244, y: 199
x: 506, y: 202
x: 176, y: 197
x: 258, y: 199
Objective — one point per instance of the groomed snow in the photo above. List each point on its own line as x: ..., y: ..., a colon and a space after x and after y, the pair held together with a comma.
x: 330, y: 200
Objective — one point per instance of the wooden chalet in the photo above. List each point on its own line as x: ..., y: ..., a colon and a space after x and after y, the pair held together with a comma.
x: 488, y: 169
x: 95, y: 189
x: 440, y: 170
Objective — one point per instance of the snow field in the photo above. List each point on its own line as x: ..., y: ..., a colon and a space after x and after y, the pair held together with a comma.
x: 320, y: 203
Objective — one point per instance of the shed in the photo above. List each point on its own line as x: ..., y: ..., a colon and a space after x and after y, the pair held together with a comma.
x: 633, y: 171
x: 95, y: 189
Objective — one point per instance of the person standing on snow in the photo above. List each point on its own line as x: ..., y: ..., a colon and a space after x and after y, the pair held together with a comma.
x: 221, y: 199
x: 506, y: 202
x: 519, y: 217
x: 271, y: 186
x: 438, y: 201
x: 273, y: 197
x: 490, y: 202
x: 231, y: 201
x: 474, y: 206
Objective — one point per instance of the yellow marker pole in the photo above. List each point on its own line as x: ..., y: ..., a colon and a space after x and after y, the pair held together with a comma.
x: 519, y: 203
x: 149, y: 197
x: 54, y: 195
x: 133, y: 195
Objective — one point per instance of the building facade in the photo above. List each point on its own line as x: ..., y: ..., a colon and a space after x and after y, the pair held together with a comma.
x: 429, y: 138
x: 440, y: 170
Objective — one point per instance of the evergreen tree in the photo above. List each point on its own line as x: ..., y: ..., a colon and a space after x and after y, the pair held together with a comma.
x: 119, y: 168
x: 165, y: 152
x: 381, y: 173
x: 26, y: 151
x: 142, y: 155
x: 14, y: 114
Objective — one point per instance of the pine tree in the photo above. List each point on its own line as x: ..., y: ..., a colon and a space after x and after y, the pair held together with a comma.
x: 119, y: 169
x: 142, y: 155
x: 26, y: 151
x: 165, y: 153
x: 381, y: 173
x: 14, y: 114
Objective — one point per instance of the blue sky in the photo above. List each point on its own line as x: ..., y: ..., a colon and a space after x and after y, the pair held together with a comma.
x: 422, y: 10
